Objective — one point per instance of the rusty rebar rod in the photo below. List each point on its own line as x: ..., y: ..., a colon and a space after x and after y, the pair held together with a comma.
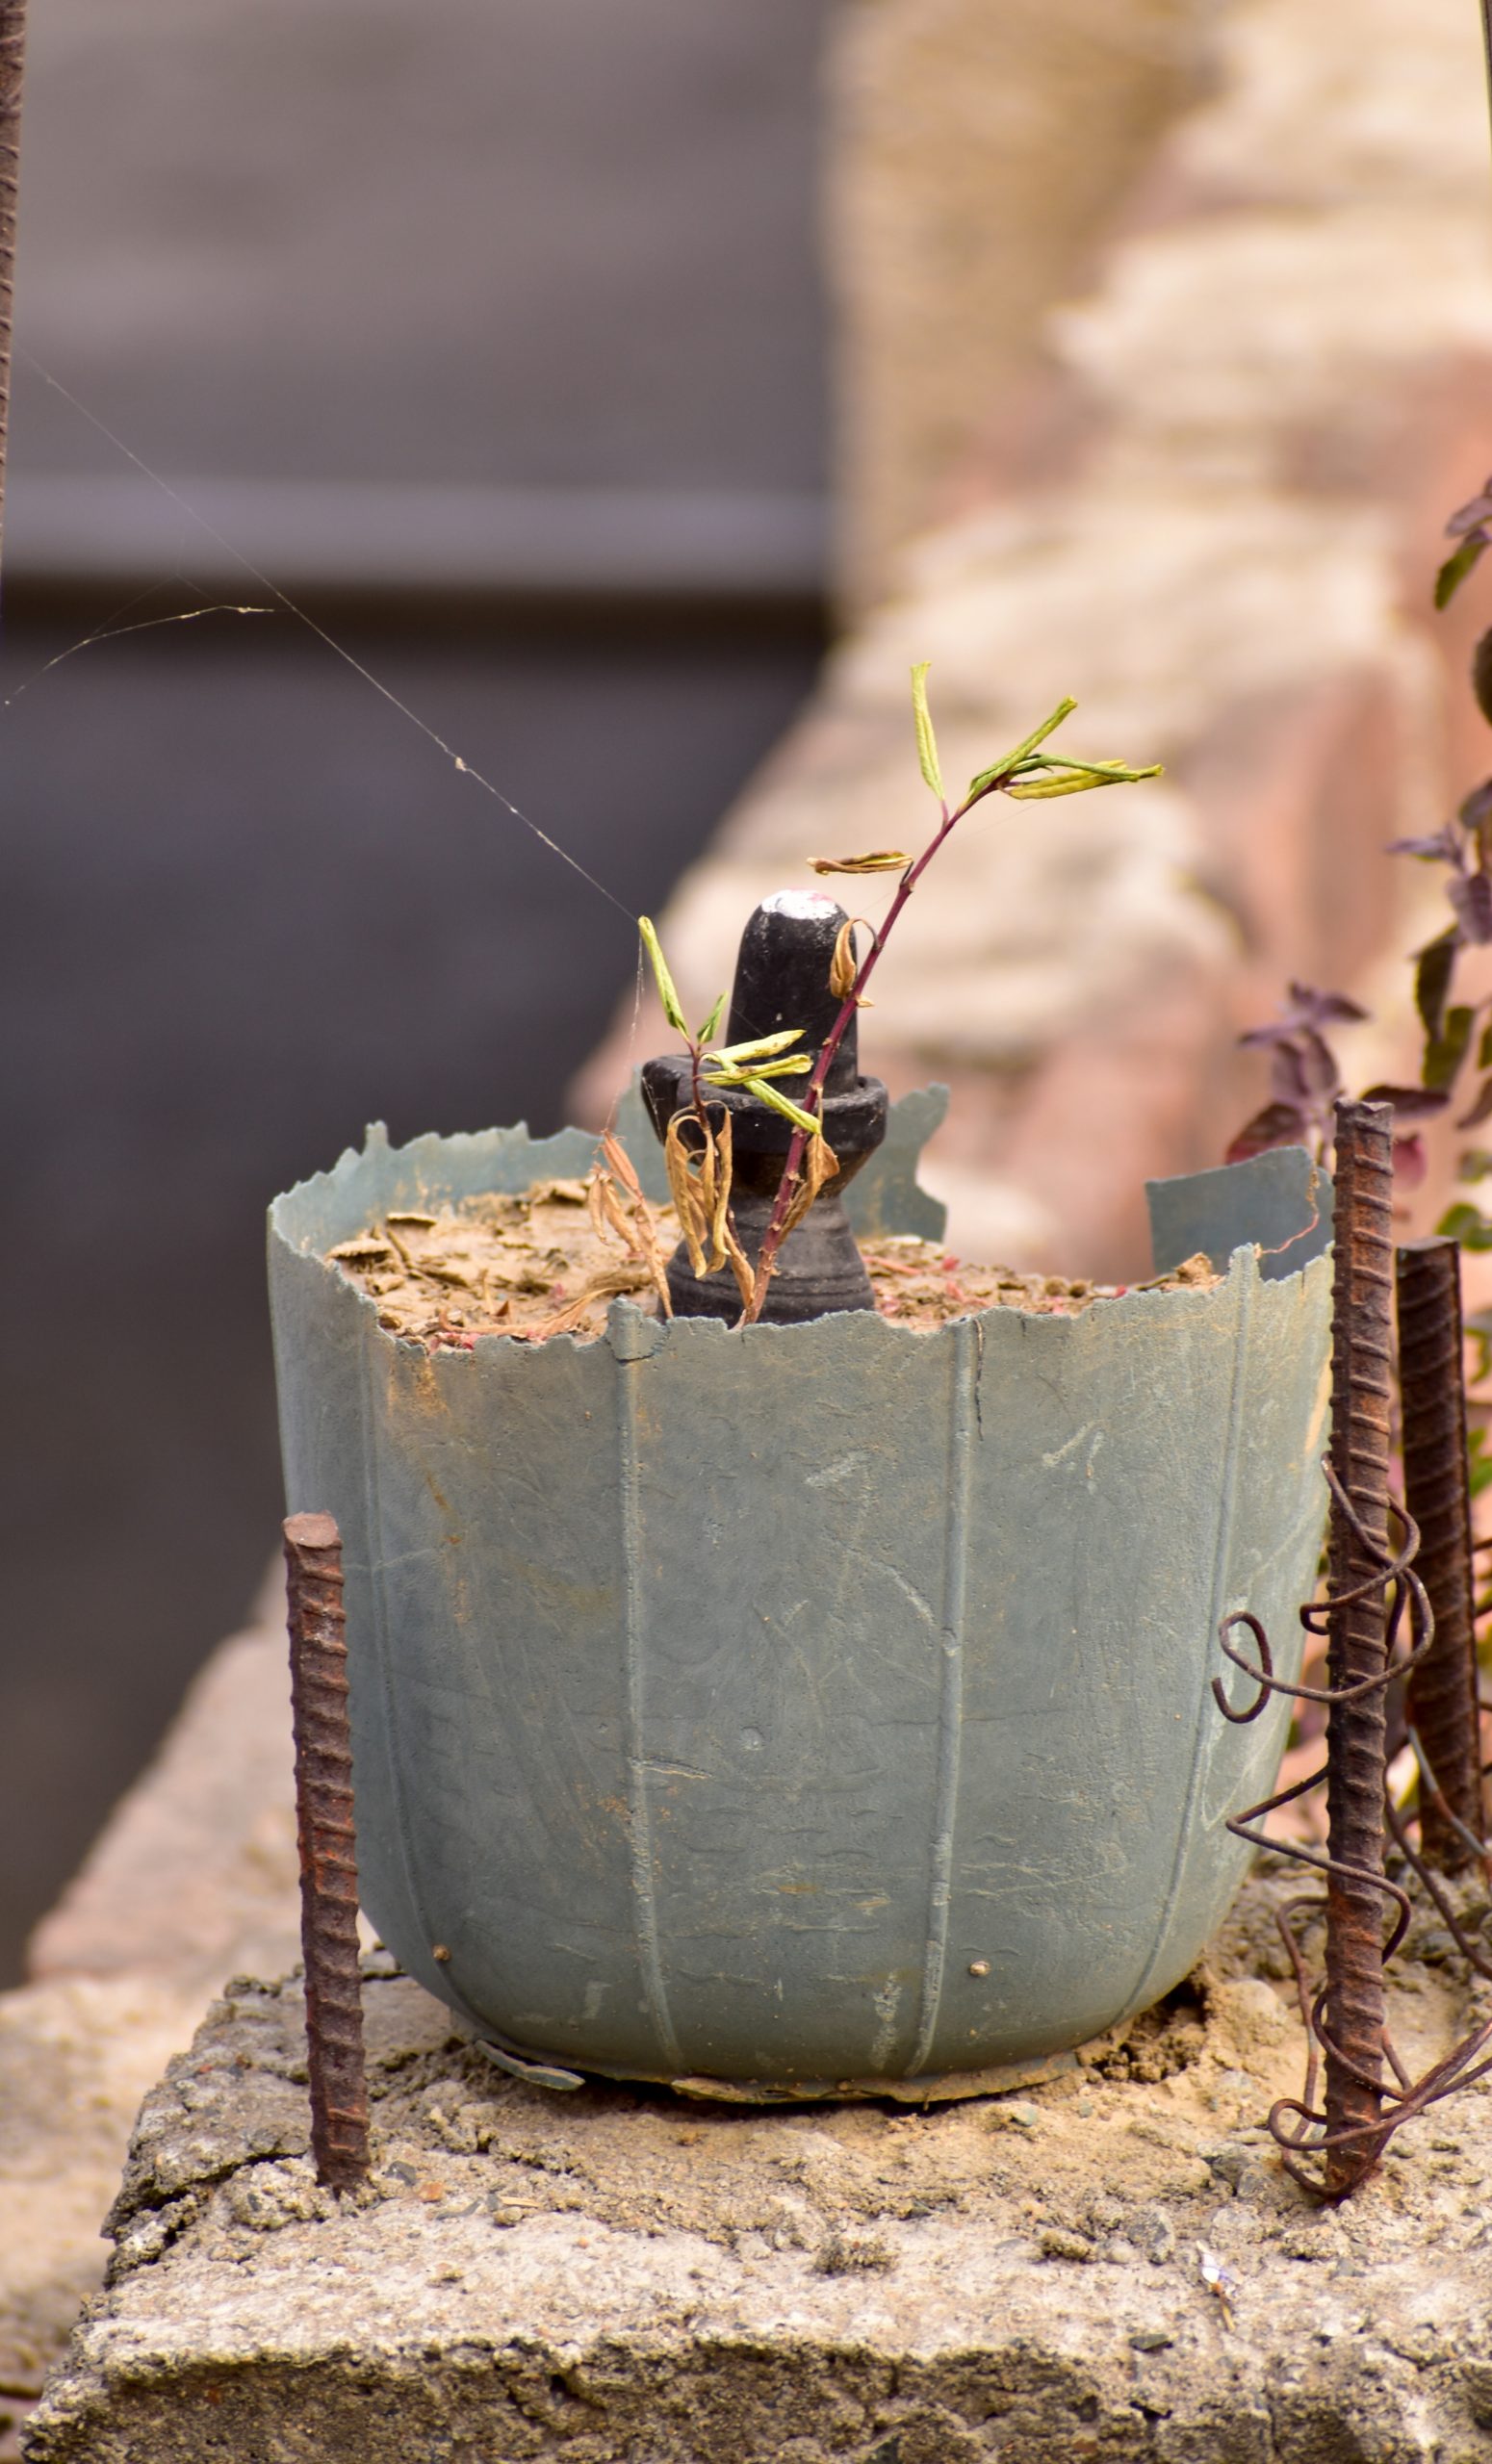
x: 1362, y: 1379
x: 1443, y: 1707
x: 12, y: 46
x: 328, y: 1851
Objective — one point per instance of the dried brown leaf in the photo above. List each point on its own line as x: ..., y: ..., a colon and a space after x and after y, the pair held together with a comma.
x: 881, y: 860
x: 720, y: 1144
x: 685, y: 1186
x: 842, y: 969
x: 819, y: 1164
x: 620, y: 1164
x: 607, y: 1284
x: 740, y: 1266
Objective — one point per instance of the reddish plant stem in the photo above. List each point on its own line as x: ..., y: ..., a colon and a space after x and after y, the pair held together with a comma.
x: 792, y: 1169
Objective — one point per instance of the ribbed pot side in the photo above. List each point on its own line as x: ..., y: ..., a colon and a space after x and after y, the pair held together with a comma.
x: 812, y: 1704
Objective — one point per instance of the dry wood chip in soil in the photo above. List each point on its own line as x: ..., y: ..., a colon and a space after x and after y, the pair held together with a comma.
x: 548, y: 1262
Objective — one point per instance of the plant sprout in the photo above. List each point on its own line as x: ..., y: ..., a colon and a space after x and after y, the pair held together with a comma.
x: 699, y: 1173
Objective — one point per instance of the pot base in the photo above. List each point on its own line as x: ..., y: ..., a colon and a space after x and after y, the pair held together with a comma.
x: 1000, y: 2079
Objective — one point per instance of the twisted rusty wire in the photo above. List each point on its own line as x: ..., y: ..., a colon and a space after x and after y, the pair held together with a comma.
x: 1299, y: 2124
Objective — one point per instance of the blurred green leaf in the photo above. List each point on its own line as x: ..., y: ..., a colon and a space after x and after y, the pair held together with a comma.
x: 1454, y: 571
x: 667, y: 992
x: 1468, y: 1225
x: 1444, y: 1053
x: 927, y: 742
x: 1435, y: 966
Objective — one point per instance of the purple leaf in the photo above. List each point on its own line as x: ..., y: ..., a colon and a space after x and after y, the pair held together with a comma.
x: 1476, y: 808
x: 1472, y: 899
x: 1288, y: 1080
x: 1276, y: 1125
x: 1410, y: 1103
x: 1410, y: 1161
x: 1445, y: 848
x: 1283, y: 1030
x: 1467, y: 515
x: 1314, y: 1007
x: 1319, y: 1070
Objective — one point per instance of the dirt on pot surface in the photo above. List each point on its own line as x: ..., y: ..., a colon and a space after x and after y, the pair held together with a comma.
x: 547, y: 1262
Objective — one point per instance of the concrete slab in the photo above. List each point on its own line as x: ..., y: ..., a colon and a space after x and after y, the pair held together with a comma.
x: 1110, y: 2265
x: 76, y: 2056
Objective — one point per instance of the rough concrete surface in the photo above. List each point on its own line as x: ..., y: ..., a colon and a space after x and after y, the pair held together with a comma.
x: 194, y: 1877
x: 617, y: 2274
x: 76, y: 2056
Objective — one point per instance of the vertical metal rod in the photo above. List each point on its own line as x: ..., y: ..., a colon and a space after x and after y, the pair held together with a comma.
x: 1443, y: 1689
x: 328, y: 1851
x: 1361, y: 1370
x: 12, y: 44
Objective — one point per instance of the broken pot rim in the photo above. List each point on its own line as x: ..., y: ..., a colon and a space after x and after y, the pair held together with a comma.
x: 631, y: 1332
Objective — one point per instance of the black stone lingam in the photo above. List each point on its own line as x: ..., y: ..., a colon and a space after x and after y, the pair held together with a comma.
x: 781, y: 979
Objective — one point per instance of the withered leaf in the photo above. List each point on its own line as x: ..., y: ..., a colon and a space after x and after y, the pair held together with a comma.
x: 884, y: 859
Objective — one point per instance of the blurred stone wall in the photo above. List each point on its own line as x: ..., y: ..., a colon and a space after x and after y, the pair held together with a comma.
x: 1209, y: 503
x: 975, y: 156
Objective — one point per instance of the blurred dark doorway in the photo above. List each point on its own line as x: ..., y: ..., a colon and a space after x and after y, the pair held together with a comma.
x: 495, y: 338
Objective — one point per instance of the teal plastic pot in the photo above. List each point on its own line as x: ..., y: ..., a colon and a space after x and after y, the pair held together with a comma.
x: 814, y: 1707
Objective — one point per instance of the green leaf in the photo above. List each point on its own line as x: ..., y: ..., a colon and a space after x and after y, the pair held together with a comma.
x: 1466, y: 1224
x: 796, y: 1065
x: 761, y: 1048
x: 1446, y: 1052
x: 795, y: 1113
x: 1072, y: 780
x: 1485, y: 1049
x: 986, y: 778
x: 1105, y: 772
x: 927, y: 742
x: 1454, y: 571
x: 1478, y: 1464
x: 667, y: 992
x: 712, y: 1021
x: 1475, y: 1166
x: 1433, y: 968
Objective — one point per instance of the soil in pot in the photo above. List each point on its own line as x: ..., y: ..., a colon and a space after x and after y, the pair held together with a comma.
x: 548, y: 1262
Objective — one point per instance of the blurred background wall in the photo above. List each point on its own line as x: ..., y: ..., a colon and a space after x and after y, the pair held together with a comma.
x: 1147, y: 349
x: 493, y: 334
x: 1165, y: 354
